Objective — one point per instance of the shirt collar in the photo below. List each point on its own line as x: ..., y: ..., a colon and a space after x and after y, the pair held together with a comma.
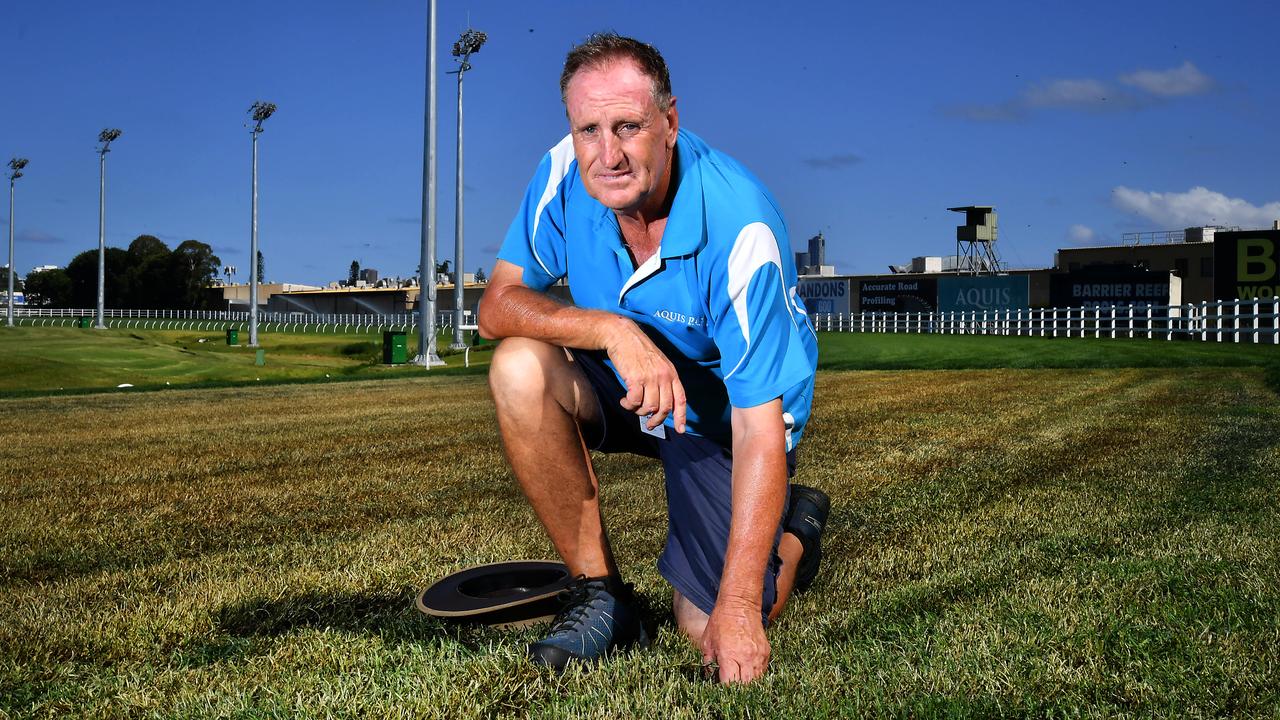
x: 686, y: 223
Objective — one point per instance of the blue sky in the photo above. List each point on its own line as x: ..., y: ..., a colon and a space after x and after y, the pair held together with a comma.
x: 1079, y: 121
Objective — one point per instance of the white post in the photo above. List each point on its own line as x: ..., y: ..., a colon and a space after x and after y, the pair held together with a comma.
x: 1204, y: 320
x: 1113, y: 322
x: 1256, y: 322
x: 1275, y: 321
x: 1218, y: 321
x: 1235, y: 319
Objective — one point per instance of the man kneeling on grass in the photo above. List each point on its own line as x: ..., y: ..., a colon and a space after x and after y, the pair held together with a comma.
x: 686, y: 342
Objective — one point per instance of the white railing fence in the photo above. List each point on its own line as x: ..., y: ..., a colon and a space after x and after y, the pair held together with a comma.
x: 223, y: 319
x: 1256, y: 321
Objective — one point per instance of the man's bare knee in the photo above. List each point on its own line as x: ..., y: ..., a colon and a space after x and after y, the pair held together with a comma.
x: 526, y: 372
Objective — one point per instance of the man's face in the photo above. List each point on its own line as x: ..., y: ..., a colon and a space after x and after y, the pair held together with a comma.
x: 622, y: 139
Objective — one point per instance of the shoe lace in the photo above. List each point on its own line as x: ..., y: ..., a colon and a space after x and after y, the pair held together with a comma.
x: 576, y: 599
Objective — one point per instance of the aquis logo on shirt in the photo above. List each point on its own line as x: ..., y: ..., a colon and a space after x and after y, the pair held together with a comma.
x: 672, y: 316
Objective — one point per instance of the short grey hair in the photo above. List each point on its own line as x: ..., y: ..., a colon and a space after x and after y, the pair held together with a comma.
x: 602, y: 48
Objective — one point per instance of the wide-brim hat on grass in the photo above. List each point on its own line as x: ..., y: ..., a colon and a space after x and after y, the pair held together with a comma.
x: 505, y: 594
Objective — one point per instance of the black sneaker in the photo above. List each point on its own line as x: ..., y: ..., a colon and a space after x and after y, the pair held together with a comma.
x: 600, y: 616
x: 806, y: 519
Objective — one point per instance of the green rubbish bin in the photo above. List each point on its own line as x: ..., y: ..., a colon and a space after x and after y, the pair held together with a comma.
x: 84, y: 322
x: 233, y: 336
x: 395, y: 347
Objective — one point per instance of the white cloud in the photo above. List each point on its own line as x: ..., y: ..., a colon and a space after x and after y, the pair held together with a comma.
x: 1183, y: 80
x: 1081, y: 235
x: 1195, y: 207
x: 1066, y: 93
x: 1150, y: 87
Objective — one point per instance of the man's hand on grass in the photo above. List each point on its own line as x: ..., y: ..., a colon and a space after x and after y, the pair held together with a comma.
x: 734, y: 639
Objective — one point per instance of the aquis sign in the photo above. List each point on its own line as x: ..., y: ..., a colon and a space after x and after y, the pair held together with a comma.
x: 982, y: 292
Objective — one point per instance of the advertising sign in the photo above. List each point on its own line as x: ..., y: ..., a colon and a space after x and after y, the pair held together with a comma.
x: 983, y: 292
x: 1245, y: 265
x: 1113, y: 286
x: 913, y: 295
x: 824, y: 295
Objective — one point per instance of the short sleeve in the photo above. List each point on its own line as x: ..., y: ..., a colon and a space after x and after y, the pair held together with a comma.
x: 758, y: 330
x: 536, y: 239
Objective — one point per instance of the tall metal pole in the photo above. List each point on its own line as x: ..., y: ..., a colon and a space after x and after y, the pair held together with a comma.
x: 10, y: 316
x: 469, y: 43
x: 253, y: 248
x: 458, y: 273
x: 259, y: 111
x: 102, y: 236
x: 16, y: 165
x: 427, y: 271
x: 105, y: 137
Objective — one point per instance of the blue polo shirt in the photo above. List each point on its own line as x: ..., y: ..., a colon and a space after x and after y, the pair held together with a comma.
x: 719, y: 296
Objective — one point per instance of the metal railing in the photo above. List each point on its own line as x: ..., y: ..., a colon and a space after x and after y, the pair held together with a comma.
x: 221, y: 319
x: 1256, y: 321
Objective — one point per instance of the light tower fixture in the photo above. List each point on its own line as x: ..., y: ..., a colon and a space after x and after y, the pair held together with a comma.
x: 106, y: 137
x: 469, y: 43
x: 259, y: 112
x: 15, y: 165
x: 229, y: 271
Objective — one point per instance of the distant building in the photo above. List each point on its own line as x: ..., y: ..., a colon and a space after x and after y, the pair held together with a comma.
x: 1157, y: 268
x: 814, y: 260
x: 369, y: 276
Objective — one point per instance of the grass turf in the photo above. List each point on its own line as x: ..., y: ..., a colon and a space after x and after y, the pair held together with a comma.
x: 42, y: 360
x: 1047, y: 542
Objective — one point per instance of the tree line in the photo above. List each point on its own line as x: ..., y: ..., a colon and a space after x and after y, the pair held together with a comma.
x: 146, y: 276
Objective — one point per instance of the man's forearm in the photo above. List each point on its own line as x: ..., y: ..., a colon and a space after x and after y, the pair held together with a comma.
x: 759, y: 492
x: 515, y: 311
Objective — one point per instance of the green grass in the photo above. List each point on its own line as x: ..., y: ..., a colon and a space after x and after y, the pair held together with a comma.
x: 39, y: 360
x: 1004, y: 542
x: 892, y: 351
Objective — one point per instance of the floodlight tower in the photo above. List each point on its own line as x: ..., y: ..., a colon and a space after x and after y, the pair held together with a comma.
x: 16, y: 166
x: 105, y: 137
x: 469, y: 43
x: 427, y: 356
x: 229, y: 271
x: 259, y: 111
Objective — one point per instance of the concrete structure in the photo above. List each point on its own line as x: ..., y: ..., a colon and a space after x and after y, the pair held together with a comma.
x: 236, y: 297
x: 1191, y: 260
x: 1186, y: 257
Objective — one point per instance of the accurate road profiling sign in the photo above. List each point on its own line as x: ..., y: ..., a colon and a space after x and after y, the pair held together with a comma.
x: 1245, y: 265
x: 1113, y: 286
x: 914, y: 295
x: 825, y: 295
x: 983, y: 292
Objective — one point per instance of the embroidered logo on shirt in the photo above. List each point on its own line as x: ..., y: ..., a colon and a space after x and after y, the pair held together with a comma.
x: 675, y: 317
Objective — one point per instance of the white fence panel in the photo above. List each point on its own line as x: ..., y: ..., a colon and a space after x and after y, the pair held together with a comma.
x: 1256, y: 321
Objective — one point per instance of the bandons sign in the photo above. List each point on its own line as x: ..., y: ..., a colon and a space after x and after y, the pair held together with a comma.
x: 825, y: 295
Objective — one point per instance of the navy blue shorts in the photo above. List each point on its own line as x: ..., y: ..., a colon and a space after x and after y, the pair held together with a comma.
x: 699, y: 484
